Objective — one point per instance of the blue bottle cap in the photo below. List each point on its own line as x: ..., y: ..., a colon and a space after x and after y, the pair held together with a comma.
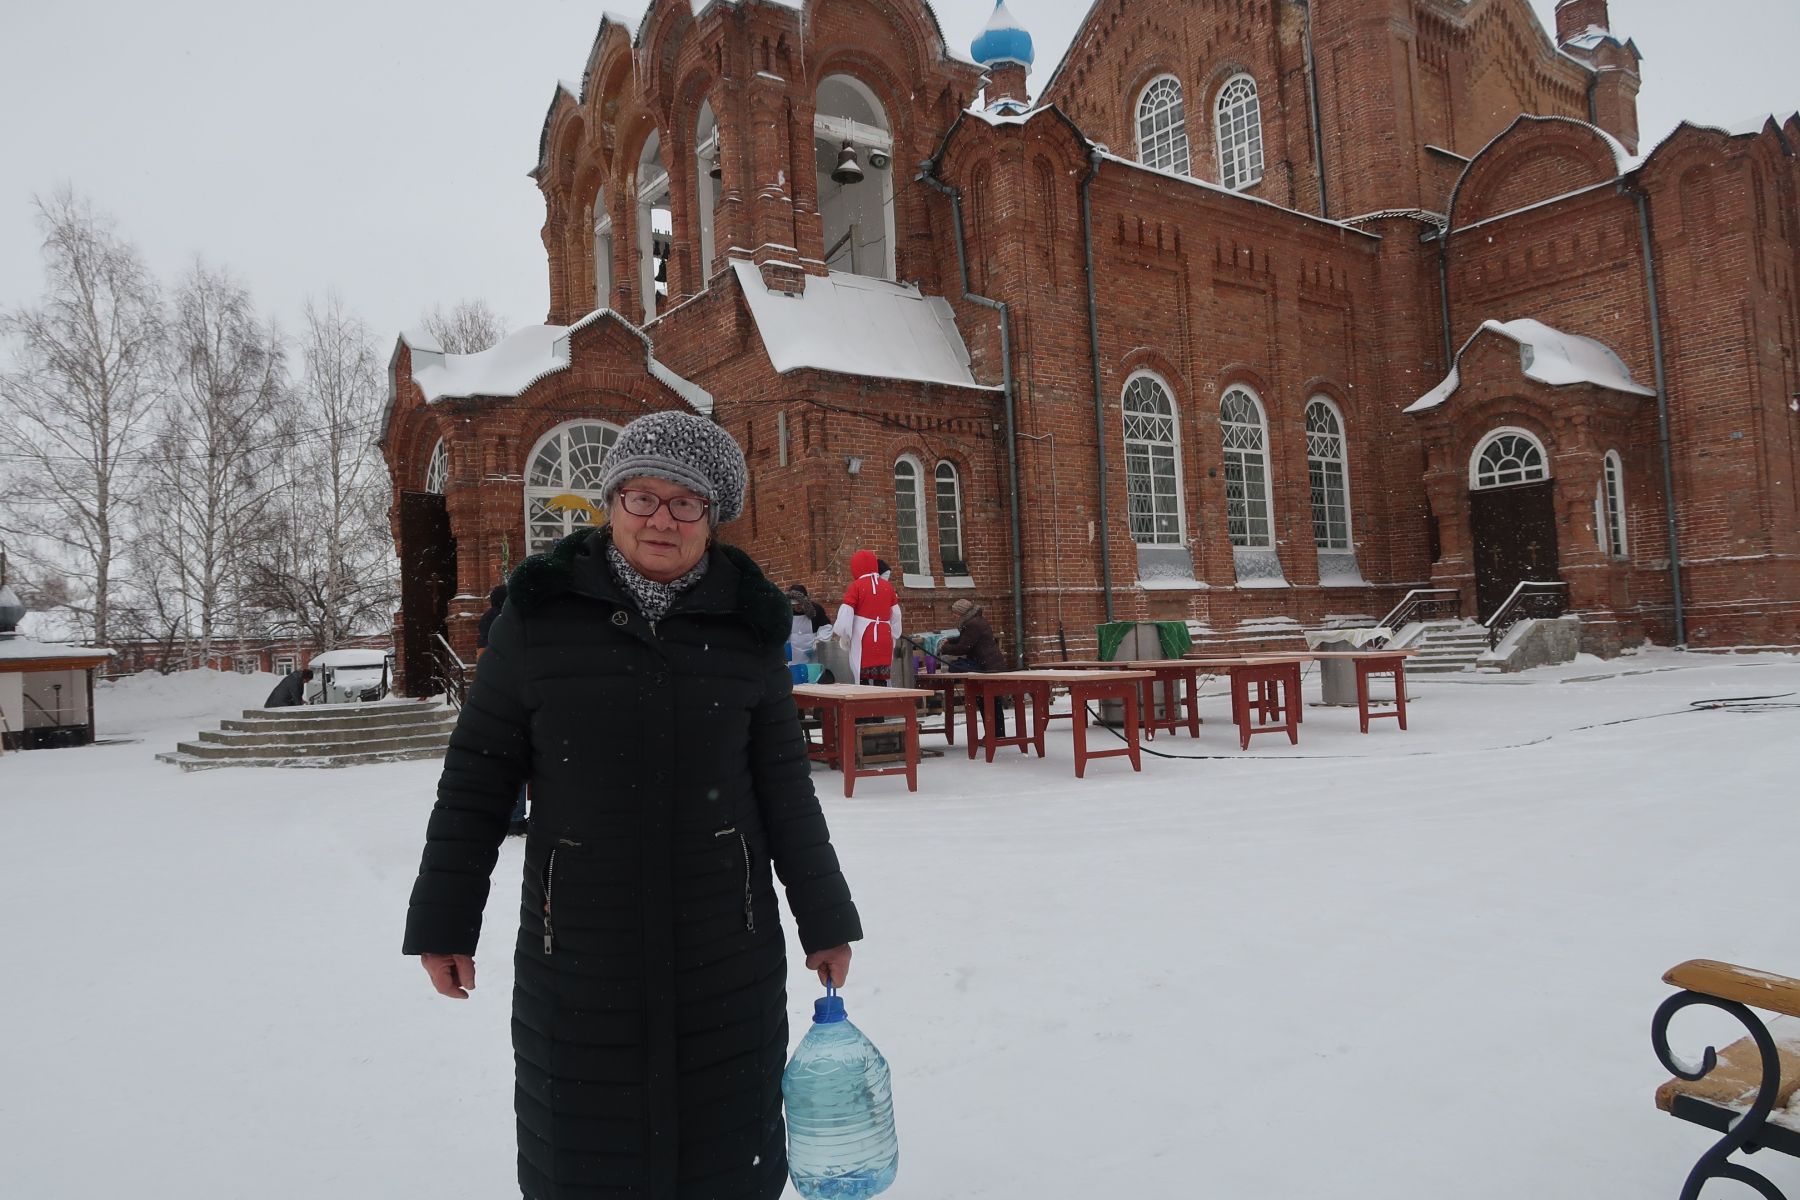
x: 828, y: 1008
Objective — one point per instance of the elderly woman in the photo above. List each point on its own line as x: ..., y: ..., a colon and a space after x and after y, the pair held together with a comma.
x: 636, y: 677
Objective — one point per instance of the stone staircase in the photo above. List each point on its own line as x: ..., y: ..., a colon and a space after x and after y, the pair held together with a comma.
x: 1448, y: 647
x: 334, y: 735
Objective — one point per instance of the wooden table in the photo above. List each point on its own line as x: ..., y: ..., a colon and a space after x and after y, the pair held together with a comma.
x: 1169, y: 674
x: 1375, y: 662
x: 840, y: 704
x: 1267, y: 685
x: 1083, y: 686
x: 949, y: 683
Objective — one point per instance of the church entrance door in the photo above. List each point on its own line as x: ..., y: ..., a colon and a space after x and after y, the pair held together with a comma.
x: 427, y: 581
x: 1513, y: 534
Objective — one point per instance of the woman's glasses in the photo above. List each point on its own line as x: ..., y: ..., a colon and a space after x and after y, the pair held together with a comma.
x: 686, y: 509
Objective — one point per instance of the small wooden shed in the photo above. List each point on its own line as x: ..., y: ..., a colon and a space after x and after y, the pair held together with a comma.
x: 46, y: 690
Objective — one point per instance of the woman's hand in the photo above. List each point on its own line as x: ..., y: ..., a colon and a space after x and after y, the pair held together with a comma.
x: 833, y: 965
x: 453, y: 974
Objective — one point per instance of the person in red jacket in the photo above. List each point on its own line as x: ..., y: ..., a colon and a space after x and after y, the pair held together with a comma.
x: 869, y: 620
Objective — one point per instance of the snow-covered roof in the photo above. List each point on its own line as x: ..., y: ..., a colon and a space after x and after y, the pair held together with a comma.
x: 1547, y: 355
x: 17, y: 648
x: 858, y: 326
x: 520, y: 360
x: 1221, y: 188
x: 349, y: 658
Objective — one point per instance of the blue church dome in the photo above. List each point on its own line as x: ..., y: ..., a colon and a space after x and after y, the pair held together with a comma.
x: 1004, y: 40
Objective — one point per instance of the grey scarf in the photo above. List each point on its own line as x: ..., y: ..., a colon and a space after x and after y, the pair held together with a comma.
x: 653, y: 599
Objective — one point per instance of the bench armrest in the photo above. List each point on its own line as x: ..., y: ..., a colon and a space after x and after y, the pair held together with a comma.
x: 1758, y: 989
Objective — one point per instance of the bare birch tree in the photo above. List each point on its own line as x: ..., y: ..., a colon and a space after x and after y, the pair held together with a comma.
x: 216, y: 444
x: 468, y: 328
x: 329, y: 570
x: 78, y: 403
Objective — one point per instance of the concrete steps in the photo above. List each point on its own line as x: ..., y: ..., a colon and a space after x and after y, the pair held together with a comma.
x: 338, y: 735
x: 1448, y: 649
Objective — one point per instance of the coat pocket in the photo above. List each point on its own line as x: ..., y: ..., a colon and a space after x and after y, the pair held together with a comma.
x: 731, y: 831
x: 556, y: 848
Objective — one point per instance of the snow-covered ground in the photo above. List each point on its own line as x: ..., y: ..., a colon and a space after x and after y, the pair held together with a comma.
x: 1402, y: 965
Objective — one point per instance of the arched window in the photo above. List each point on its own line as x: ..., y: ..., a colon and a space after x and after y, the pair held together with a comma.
x: 603, y: 252
x: 909, y: 515
x: 562, y: 481
x: 1240, y: 133
x: 706, y: 185
x: 1245, y: 435
x: 437, y: 471
x: 1612, y: 482
x: 949, y: 521
x: 853, y: 149
x: 1152, y: 463
x: 655, y: 226
x: 1507, y: 456
x: 1161, y: 132
x: 1328, y: 474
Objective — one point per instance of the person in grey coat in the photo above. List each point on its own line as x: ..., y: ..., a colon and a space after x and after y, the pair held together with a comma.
x: 636, y: 676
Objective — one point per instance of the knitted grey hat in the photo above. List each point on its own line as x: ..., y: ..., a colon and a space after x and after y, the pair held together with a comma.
x: 682, y: 448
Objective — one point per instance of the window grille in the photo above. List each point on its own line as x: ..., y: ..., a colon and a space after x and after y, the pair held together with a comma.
x: 1613, y: 478
x: 1247, y: 516
x: 1328, y: 476
x: 909, y: 517
x: 1240, y: 134
x: 1152, y: 469
x: 562, y: 483
x: 1162, y: 135
x: 1509, y: 456
x: 949, y: 520
x: 437, y: 471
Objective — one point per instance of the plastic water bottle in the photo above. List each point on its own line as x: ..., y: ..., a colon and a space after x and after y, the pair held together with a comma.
x: 840, y: 1110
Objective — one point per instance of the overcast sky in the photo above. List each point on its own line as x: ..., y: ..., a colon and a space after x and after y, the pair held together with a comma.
x: 380, y: 147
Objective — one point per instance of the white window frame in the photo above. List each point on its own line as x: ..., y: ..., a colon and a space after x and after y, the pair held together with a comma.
x: 1612, y: 485
x: 246, y: 664
x: 1148, y: 446
x: 653, y: 196
x: 833, y: 130
x: 1251, y: 450
x: 565, y: 482
x: 950, y: 533
x: 917, y: 571
x: 1321, y: 454
x: 286, y: 664
x: 437, y: 468
x: 1476, y: 482
x: 1166, y: 146
x: 706, y: 139
x: 603, y: 253
x: 1237, y: 117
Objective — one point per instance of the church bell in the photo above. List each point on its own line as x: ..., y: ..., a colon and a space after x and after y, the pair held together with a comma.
x: 847, y: 169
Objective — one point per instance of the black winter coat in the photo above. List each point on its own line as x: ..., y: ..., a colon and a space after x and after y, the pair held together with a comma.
x: 668, y: 774
x: 289, y: 692
x: 975, y: 641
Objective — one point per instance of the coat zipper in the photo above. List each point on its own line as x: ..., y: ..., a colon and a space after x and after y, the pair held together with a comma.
x: 549, y: 885
x: 749, y: 907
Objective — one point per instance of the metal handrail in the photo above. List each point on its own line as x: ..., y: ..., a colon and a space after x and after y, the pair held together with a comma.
x: 452, y: 672
x: 1529, y: 598
x: 1418, y: 598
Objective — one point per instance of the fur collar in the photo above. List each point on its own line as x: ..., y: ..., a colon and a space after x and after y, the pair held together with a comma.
x: 733, y: 584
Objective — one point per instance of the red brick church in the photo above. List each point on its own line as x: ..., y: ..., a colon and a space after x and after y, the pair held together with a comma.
x: 1261, y: 315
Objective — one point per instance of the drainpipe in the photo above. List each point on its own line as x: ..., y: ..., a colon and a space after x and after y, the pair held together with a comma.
x: 926, y: 177
x: 1443, y: 257
x: 1662, y: 417
x: 1093, y: 315
x: 1312, y: 103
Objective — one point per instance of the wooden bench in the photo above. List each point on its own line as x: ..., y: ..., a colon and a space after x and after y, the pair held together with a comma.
x: 1743, y: 1091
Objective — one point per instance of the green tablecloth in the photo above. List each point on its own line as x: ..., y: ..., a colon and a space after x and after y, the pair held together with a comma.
x: 1172, y: 636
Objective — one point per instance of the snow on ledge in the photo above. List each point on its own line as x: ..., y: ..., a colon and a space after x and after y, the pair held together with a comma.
x: 1547, y: 355
x: 855, y: 325
x: 511, y: 366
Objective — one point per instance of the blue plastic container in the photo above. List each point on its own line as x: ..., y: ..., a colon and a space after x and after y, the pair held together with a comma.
x: 840, y: 1110
x: 799, y: 672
